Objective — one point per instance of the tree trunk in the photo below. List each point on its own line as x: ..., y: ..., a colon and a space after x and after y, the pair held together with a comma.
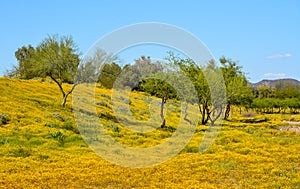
x: 163, y: 120
x: 227, y: 111
x: 186, y: 114
x: 66, y: 95
x: 203, y: 113
x: 219, y: 114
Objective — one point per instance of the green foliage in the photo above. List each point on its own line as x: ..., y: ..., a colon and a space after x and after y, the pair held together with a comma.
x: 115, y: 128
x: 68, y: 125
x: 52, y: 125
x: 272, y: 105
x: 21, y: 152
x: 287, y: 92
x: 59, y: 136
x: 238, y: 92
x: 133, y: 76
x: 207, y: 81
x: 4, y: 119
x: 24, y: 69
x: 159, y: 88
x: 55, y: 57
x: 266, y: 92
x: 109, y: 74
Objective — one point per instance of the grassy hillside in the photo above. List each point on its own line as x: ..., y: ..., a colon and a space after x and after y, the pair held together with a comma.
x: 41, y: 147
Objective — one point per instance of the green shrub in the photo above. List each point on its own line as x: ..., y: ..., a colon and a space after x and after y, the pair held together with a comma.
x: 52, y: 125
x: 20, y: 152
x: 101, y: 103
x: 68, y: 125
x: 4, y: 119
x: 115, y: 128
x: 59, y: 136
x: 105, y: 96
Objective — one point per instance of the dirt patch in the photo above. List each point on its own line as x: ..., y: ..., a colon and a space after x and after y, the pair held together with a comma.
x: 292, y: 122
x: 290, y: 128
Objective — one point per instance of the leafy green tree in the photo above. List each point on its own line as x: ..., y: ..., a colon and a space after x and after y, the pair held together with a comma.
x: 57, y: 58
x: 148, y: 76
x: 207, y: 81
x: 266, y: 91
x: 24, y: 56
x: 238, y: 92
x: 109, y: 74
x: 133, y: 76
x: 287, y: 92
x: 162, y: 89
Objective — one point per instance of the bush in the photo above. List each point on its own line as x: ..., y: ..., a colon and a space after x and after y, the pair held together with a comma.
x: 59, y: 136
x: 52, y: 125
x: 101, y: 103
x: 21, y: 152
x: 105, y: 96
x: 4, y: 119
x: 68, y: 125
x: 115, y: 128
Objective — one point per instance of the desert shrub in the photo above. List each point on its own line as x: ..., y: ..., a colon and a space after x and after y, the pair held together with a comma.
x: 61, y: 140
x: 20, y: 152
x: 57, y: 116
x: 144, y: 112
x: 3, y: 141
x: 115, y: 128
x: 101, y: 103
x: 55, y: 135
x: 4, y: 119
x: 37, y: 120
x: 59, y: 136
x: 52, y: 125
x: 68, y: 125
x: 105, y: 96
x: 43, y: 157
x: 191, y: 149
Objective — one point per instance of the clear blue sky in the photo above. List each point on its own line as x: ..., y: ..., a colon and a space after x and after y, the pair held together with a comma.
x: 264, y: 36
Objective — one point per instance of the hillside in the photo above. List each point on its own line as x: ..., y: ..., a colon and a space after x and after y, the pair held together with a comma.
x: 277, y: 82
x: 41, y: 146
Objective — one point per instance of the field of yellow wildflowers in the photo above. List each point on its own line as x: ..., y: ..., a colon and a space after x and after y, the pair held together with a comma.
x: 41, y: 147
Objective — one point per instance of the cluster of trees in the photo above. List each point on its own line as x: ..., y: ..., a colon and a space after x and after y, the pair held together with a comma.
x: 284, y: 97
x: 57, y: 57
x: 178, y: 77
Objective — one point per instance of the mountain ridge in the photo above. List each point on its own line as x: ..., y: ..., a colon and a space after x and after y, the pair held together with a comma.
x: 274, y: 82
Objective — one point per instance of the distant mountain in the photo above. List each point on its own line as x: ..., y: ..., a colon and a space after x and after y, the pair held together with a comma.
x: 277, y: 83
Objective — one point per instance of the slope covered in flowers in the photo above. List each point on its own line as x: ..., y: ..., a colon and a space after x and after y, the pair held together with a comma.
x: 41, y: 147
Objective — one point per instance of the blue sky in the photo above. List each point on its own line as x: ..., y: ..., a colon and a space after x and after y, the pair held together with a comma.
x: 263, y: 36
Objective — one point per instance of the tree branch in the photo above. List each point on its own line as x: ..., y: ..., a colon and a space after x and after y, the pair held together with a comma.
x: 59, y: 85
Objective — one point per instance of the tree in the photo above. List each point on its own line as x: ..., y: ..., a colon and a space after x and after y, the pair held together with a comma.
x: 109, y: 74
x: 93, y: 68
x: 133, y: 76
x: 266, y: 91
x: 238, y: 92
x: 57, y: 58
x: 208, y: 85
x: 24, y: 56
x: 158, y: 87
